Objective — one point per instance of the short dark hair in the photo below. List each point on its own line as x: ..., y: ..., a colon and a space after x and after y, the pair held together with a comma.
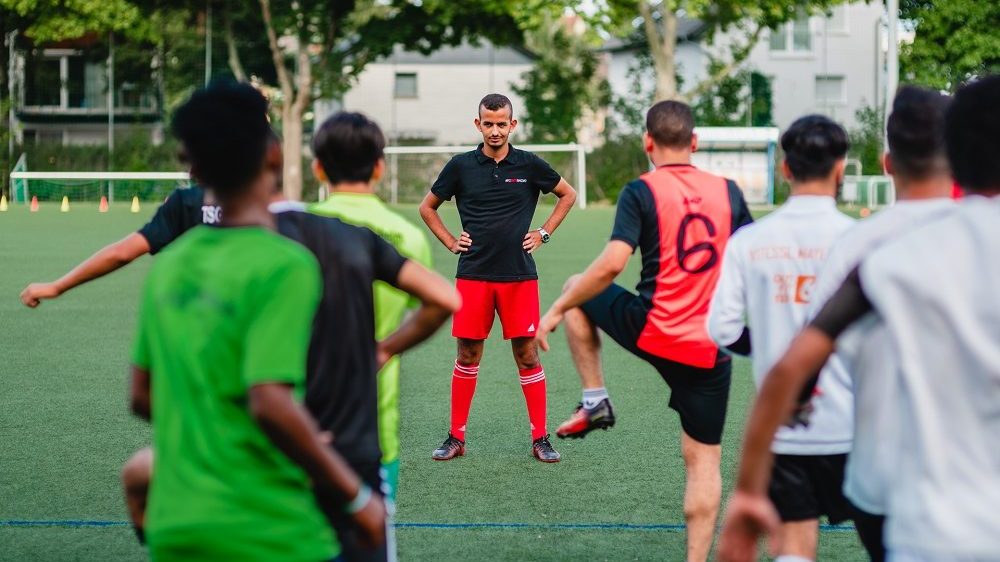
x: 225, y: 133
x: 348, y: 146
x: 972, y: 134
x: 813, y: 144
x: 670, y: 123
x: 915, y: 132
x: 493, y: 102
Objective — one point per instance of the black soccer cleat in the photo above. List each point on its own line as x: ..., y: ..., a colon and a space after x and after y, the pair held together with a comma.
x: 451, y: 448
x: 584, y: 420
x: 542, y: 450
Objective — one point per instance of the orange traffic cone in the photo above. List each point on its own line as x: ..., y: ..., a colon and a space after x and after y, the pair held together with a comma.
x: 103, y: 207
x: 34, y: 204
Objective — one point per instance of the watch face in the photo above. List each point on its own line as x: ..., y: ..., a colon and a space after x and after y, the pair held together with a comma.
x: 545, y: 238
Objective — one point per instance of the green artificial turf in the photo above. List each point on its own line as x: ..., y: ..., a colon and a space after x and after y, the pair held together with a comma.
x: 66, y: 430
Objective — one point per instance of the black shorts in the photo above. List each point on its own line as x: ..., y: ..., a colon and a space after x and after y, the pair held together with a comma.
x: 699, y: 395
x: 804, y: 487
x: 871, y: 531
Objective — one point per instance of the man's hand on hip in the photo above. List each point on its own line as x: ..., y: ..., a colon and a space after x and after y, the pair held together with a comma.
x: 532, y: 241
x: 462, y: 244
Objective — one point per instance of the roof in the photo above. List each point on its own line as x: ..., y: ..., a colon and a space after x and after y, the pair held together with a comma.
x: 688, y: 29
x: 466, y: 53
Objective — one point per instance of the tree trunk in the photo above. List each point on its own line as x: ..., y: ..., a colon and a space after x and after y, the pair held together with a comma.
x: 233, y: 58
x: 662, y: 42
x: 291, y: 144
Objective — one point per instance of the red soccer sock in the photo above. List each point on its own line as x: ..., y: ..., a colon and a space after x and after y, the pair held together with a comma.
x: 463, y: 388
x: 533, y: 386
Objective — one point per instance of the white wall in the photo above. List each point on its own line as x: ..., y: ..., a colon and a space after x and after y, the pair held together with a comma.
x: 447, y: 95
x: 852, y: 52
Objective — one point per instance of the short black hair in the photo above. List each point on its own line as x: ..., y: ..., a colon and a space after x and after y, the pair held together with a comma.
x: 915, y: 132
x: 813, y: 144
x: 670, y: 123
x: 972, y: 134
x: 348, y: 145
x: 493, y: 102
x: 224, y: 132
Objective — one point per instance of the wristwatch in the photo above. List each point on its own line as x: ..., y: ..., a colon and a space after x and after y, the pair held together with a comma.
x: 545, y: 235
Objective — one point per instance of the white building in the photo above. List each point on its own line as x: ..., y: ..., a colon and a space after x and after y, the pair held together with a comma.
x: 432, y: 99
x: 833, y: 65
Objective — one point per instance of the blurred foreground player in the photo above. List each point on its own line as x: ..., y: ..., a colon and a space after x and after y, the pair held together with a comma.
x: 345, y: 146
x: 918, y: 164
x: 934, y: 289
x: 768, y: 274
x: 242, y: 472
x: 681, y: 218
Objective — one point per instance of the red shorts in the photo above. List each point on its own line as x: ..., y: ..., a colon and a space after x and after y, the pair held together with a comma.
x: 515, y: 301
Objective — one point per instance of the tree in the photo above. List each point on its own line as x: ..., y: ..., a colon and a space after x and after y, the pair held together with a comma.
x: 727, y: 105
x: 563, y: 84
x: 955, y: 41
x: 318, y: 47
x: 742, y: 21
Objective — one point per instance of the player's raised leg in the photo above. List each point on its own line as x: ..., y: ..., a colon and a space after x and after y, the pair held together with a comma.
x: 594, y: 410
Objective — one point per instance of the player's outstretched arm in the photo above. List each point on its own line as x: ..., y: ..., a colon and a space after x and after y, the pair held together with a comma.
x: 567, y: 198
x: 438, y: 299
x: 597, y: 277
x: 429, y: 212
x: 292, y: 431
x: 106, y: 260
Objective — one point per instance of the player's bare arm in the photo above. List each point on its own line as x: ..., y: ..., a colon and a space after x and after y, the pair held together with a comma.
x: 438, y: 299
x: 598, y: 276
x: 139, y: 393
x: 106, y: 260
x: 290, y: 428
x: 429, y: 212
x: 567, y: 198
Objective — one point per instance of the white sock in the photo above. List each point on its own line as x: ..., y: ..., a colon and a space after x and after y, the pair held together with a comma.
x: 593, y: 396
x: 791, y: 558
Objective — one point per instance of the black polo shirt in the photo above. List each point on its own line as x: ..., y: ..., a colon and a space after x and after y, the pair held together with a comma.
x: 183, y: 210
x: 496, y: 202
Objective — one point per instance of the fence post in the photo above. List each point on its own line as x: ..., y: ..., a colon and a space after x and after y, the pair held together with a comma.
x: 581, y: 175
x: 393, y: 179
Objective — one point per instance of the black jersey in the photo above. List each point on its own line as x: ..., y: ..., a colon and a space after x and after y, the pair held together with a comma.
x: 183, y: 210
x: 341, y: 385
x: 496, y: 201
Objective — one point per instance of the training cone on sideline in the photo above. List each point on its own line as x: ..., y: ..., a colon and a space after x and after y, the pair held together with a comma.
x: 103, y: 207
x: 34, y: 204
x: 3, y: 203
x: 64, y: 208
x: 135, y: 204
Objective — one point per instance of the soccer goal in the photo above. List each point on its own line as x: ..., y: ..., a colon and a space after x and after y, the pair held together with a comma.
x: 92, y: 186
x: 869, y: 191
x: 411, y: 170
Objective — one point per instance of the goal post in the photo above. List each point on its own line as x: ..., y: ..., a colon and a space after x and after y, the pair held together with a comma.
x: 91, y: 186
x: 411, y: 170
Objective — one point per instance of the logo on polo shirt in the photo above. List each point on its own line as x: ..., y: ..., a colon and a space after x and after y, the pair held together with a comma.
x: 516, y: 180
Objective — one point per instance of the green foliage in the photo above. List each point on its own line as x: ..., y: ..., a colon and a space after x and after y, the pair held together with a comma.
x: 956, y: 40
x: 54, y: 20
x: 612, y: 165
x: 133, y: 152
x: 561, y: 85
x: 731, y: 100
x: 867, y: 138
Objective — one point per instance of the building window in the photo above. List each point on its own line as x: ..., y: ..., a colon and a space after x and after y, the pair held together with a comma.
x: 830, y: 90
x: 406, y: 85
x: 794, y: 36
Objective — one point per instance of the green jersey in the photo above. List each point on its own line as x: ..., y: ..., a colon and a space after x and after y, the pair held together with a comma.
x: 391, y: 304
x: 224, y: 309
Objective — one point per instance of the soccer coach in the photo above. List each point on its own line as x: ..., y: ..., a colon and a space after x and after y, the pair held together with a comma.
x: 496, y: 188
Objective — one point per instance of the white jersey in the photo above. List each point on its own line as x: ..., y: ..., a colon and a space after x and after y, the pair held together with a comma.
x: 864, y: 352
x: 936, y: 290
x: 768, y: 273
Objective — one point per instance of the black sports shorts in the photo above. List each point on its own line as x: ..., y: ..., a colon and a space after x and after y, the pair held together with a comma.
x: 806, y: 486
x: 700, y: 396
